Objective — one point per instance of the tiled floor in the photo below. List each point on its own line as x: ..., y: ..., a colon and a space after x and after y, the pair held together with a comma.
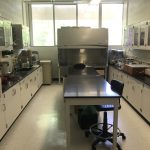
x: 41, y: 126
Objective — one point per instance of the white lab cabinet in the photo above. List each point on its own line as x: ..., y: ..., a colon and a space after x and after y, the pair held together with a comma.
x: 24, y: 92
x: 2, y: 119
x: 16, y: 98
x: 135, y: 92
x: 12, y: 103
x: 2, y: 115
x: 146, y: 102
x: 39, y: 77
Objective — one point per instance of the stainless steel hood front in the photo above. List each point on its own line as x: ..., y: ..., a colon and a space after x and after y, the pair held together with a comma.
x: 82, y: 45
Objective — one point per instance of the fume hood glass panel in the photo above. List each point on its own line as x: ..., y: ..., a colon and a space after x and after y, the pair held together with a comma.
x: 149, y: 35
x: 65, y: 15
x: 136, y: 36
x: 2, y: 36
x: 88, y: 15
x: 142, y: 36
x: 8, y: 34
x: 42, y: 24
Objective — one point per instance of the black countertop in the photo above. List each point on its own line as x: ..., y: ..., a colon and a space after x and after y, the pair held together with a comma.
x: 143, y: 78
x: 87, y: 86
x: 85, y: 71
x: 15, y: 77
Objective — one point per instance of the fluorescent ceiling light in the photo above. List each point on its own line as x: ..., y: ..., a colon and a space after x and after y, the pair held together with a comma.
x: 81, y: 1
x: 95, y: 1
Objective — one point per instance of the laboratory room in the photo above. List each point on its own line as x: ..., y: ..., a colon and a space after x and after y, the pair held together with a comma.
x: 74, y: 75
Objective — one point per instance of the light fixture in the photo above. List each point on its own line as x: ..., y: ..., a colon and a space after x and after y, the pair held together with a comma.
x: 81, y: 1
x: 95, y: 1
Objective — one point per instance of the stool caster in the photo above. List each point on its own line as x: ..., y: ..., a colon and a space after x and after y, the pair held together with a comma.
x: 87, y: 134
x: 123, y: 136
x: 93, y: 148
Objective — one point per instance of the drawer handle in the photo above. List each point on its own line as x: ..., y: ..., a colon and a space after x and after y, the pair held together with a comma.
x: 4, y: 107
x: 13, y: 92
x: 27, y: 85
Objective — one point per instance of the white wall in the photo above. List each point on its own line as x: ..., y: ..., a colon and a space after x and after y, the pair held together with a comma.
x: 49, y: 53
x: 138, y: 10
x: 11, y: 10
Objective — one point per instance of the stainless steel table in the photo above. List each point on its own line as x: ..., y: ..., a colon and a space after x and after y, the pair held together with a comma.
x: 89, y: 90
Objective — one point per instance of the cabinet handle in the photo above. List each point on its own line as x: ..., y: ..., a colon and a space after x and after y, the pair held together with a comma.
x: 4, y: 107
x: 26, y: 85
x: 133, y: 88
x: 13, y: 92
x: 21, y: 106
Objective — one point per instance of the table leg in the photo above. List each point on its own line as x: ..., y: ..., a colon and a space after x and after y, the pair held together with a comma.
x: 115, y: 126
x: 67, y: 127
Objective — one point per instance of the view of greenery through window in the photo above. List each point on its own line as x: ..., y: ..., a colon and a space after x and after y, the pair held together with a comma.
x: 88, y: 15
x: 42, y: 25
x: 46, y: 19
x: 112, y: 19
x: 65, y: 15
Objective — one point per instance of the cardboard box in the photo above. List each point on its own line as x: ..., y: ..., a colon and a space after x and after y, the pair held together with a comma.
x: 135, y: 70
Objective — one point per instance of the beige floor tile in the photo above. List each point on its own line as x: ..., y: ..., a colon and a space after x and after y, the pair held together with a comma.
x: 41, y: 126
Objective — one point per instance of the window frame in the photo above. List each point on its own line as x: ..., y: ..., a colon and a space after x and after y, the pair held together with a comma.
x: 29, y: 14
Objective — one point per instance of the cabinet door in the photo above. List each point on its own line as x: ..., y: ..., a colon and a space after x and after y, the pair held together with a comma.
x: 25, y: 92
x: 2, y: 119
x: 146, y: 102
x: 2, y: 115
x: 126, y: 87
x: 40, y: 77
x: 32, y: 85
x: 13, y: 104
x: 136, y: 94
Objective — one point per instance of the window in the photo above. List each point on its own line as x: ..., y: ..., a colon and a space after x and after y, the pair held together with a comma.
x: 42, y: 24
x: 88, y: 15
x: 112, y: 19
x: 48, y: 17
x: 65, y: 15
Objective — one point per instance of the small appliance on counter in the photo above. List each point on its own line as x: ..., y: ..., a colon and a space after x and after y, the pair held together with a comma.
x: 24, y: 59
x: 147, y: 72
x: 6, y: 62
x: 116, y: 56
x: 135, y: 69
x: 35, y: 58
